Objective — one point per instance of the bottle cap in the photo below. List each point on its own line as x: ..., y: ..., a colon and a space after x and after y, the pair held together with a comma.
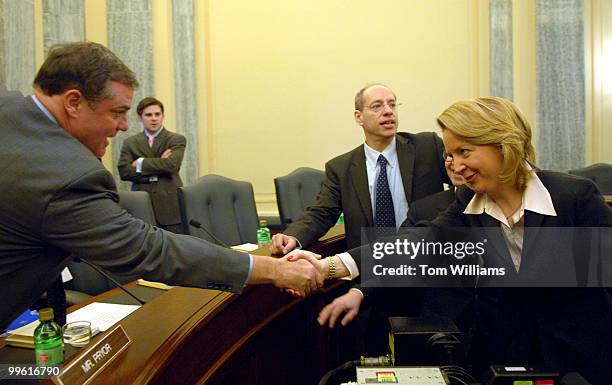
x: 45, y: 314
x: 263, y: 223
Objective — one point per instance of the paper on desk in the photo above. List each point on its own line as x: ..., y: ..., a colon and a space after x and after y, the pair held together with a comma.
x: 101, y: 315
x: 25, y: 330
x: 156, y: 285
x: 23, y: 337
x: 246, y: 247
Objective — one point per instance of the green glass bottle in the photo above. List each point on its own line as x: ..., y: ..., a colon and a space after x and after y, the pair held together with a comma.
x: 48, y: 344
x: 340, y: 219
x: 263, y: 233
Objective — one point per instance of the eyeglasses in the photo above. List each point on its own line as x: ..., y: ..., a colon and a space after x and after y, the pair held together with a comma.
x: 377, y: 107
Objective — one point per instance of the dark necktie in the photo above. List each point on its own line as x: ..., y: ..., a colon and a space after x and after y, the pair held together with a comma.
x: 385, y: 214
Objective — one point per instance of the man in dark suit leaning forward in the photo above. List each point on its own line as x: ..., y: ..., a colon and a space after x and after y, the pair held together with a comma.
x: 59, y: 202
x: 372, y: 185
x: 151, y: 160
x: 414, y: 168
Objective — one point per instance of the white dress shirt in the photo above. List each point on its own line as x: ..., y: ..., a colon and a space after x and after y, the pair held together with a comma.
x: 536, y: 198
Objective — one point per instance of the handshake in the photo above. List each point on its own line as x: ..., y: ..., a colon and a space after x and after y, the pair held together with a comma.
x: 305, y: 271
x: 301, y: 273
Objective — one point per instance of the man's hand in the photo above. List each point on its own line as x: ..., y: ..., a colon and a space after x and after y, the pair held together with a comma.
x: 300, y: 277
x: 282, y: 244
x: 349, y: 303
x: 166, y: 154
x: 322, y: 265
x: 314, y: 259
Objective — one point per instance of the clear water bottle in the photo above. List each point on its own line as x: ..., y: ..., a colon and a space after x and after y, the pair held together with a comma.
x: 263, y: 234
x: 48, y: 344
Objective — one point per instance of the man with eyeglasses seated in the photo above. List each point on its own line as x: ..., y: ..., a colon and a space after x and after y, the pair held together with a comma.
x: 371, y: 195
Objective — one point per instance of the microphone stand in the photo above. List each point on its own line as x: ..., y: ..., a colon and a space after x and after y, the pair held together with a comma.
x: 113, y: 280
x: 198, y: 225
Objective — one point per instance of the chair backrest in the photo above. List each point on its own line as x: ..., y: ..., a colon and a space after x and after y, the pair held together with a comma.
x: 138, y: 203
x: 296, y: 191
x: 86, y: 280
x: 600, y: 174
x: 224, y: 206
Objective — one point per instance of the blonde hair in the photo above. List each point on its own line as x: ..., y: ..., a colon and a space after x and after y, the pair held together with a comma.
x: 494, y: 120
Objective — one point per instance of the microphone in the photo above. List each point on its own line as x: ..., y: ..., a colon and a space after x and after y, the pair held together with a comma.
x: 198, y: 225
x: 113, y: 280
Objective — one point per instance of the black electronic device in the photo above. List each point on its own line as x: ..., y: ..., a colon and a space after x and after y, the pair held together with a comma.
x: 424, y: 341
x: 523, y: 375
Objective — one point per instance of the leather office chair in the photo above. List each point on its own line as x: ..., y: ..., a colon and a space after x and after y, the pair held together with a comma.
x: 296, y: 191
x: 600, y: 174
x: 138, y: 203
x: 85, y: 279
x: 224, y: 206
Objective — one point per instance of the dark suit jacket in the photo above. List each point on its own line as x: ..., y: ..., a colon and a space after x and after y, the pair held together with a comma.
x: 58, y: 201
x: 345, y: 189
x: 572, y: 327
x: 455, y: 303
x: 426, y: 209
x: 163, y: 192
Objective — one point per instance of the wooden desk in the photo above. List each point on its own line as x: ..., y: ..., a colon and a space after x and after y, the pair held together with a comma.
x: 196, y: 336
